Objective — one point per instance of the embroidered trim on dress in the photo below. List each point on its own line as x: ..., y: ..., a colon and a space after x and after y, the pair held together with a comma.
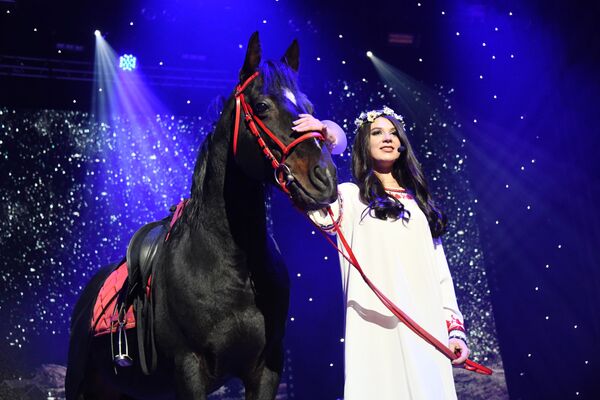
x: 456, y: 334
x: 330, y: 228
x: 455, y: 324
x: 399, y: 193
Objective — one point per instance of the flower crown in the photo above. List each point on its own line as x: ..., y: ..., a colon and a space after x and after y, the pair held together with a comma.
x: 374, y: 114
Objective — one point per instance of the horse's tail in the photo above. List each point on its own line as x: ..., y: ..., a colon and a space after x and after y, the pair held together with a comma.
x: 81, y: 334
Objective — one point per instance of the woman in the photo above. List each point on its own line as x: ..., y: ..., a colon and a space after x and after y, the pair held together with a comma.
x: 394, y: 228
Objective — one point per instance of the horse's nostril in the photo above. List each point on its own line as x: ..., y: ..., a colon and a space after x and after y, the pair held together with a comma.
x: 321, y: 179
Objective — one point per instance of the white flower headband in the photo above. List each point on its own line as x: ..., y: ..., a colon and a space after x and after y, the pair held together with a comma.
x: 374, y: 114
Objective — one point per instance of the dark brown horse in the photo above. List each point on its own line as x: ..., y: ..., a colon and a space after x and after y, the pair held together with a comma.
x: 219, y: 288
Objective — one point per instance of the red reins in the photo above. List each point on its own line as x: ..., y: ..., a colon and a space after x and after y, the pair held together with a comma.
x: 401, y: 315
x: 283, y: 174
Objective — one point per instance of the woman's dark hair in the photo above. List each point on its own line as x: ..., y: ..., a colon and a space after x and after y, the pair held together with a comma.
x: 407, y: 172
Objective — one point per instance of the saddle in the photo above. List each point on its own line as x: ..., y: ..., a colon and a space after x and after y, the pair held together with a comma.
x: 125, y: 299
x: 142, y: 249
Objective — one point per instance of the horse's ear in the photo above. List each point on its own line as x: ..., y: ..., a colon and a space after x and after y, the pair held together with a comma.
x: 292, y: 56
x: 253, y: 56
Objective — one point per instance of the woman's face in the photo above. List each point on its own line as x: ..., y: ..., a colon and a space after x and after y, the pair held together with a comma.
x: 384, y: 143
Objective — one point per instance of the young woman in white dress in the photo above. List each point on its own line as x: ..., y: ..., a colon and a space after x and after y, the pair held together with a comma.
x: 394, y: 228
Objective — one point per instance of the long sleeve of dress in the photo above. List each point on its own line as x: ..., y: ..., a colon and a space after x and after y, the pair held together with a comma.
x: 343, y: 211
x: 454, y: 318
x: 322, y: 218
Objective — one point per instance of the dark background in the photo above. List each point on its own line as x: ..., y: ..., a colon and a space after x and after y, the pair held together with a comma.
x: 531, y: 152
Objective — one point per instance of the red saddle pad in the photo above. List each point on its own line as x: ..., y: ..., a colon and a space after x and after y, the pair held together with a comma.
x: 105, y: 318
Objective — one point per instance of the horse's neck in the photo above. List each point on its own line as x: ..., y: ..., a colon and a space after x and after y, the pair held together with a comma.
x: 225, y: 201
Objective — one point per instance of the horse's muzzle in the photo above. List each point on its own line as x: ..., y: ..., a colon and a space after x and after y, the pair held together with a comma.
x: 324, y: 180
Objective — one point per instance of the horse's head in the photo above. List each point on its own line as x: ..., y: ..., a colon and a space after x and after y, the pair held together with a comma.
x: 265, y: 146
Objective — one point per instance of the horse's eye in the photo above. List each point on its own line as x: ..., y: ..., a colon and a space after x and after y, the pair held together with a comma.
x: 261, y: 108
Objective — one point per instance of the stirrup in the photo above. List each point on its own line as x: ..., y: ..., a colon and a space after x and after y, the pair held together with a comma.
x: 122, y: 358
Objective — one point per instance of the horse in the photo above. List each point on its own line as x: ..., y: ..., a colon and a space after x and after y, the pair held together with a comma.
x: 218, y: 288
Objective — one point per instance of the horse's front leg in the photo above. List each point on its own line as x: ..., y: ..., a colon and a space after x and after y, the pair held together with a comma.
x: 264, y: 382
x: 191, y: 382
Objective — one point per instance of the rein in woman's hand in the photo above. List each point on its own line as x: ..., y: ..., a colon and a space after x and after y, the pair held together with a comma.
x: 459, y: 347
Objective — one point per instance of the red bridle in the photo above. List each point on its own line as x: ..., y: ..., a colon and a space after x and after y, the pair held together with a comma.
x: 283, y: 175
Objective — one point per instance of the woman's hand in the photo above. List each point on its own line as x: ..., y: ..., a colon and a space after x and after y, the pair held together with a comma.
x: 308, y: 123
x: 459, y: 347
x: 335, y: 138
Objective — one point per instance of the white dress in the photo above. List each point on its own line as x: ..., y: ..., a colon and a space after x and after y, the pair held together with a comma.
x: 385, y: 360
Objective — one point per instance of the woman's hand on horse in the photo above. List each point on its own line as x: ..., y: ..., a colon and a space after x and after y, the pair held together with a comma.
x: 460, y: 348
x: 308, y: 123
x: 335, y: 138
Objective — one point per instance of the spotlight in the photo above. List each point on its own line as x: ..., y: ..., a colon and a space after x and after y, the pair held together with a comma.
x: 369, y: 54
x: 127, y: 62
x: 97, y: 33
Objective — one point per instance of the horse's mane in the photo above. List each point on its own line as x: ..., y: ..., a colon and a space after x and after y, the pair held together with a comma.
x: 200, y: 167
